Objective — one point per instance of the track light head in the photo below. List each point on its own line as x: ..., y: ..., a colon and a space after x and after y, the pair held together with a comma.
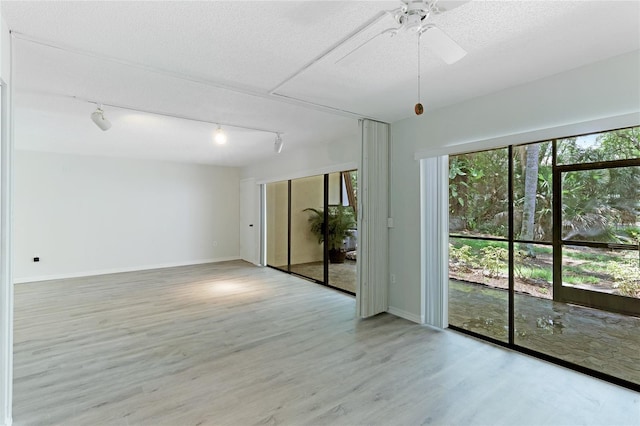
x: 277, y: 147
x: 219, y: 136
x: 98, y: 117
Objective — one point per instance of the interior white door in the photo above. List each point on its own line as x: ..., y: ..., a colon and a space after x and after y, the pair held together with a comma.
x: 249, y: 215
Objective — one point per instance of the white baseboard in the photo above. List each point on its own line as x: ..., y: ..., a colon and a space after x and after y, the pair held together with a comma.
x: 250, y: 261
x: 404, y: 314
x: 118, y: 270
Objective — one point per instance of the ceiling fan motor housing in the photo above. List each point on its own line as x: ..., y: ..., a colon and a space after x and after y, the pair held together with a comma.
x: 412, y: 15
x: 419, y: 7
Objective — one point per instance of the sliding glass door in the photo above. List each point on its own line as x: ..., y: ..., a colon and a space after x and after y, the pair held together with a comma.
x: 544, y: 253
x: 298, y: 241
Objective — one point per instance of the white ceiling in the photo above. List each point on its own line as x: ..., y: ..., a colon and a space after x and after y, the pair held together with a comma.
x: 219, y: 61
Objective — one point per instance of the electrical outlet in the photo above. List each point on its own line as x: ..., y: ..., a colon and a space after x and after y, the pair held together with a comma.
x: 393, y: 278
x: 215, y: 244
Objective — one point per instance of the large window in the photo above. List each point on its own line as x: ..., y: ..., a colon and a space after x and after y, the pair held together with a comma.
x: 544, y: 249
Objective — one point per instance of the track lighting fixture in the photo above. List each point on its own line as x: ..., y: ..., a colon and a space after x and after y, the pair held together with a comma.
x: 277, y: 147
x: 98, y: 117
x: 220, y: 136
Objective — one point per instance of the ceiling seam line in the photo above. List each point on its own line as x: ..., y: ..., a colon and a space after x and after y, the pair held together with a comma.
x: 180, y: 76
x: 313, y: 104
x: 331, y: 49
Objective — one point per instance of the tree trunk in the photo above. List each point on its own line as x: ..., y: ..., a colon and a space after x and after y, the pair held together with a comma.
x: 530, y: 191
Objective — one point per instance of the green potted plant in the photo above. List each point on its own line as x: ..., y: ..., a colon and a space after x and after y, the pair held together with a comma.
x: 341, y: 222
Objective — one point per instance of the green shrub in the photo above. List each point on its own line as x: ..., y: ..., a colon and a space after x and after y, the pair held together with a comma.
x: 626, y: 275
x: 493, y: 260
x: 521, y: 267
x: 462, y: 258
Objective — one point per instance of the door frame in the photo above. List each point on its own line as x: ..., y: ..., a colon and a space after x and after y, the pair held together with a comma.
x: 581, y: 296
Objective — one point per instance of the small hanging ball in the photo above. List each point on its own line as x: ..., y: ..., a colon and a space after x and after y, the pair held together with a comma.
x: 419, y: 109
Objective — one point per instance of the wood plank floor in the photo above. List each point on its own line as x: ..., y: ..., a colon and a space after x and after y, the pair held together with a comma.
x: 234, y: 344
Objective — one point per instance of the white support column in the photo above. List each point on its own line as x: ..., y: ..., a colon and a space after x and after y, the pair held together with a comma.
x: 6, y: 225
x: 6, y: 282
x: 373, y: 214
x: 434, y: 217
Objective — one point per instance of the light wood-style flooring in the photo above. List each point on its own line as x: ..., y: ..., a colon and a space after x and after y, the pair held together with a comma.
x: 342, y: 276
x: 234, y: 344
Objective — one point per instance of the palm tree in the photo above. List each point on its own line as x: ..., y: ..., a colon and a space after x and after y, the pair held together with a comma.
x: 530, y: 191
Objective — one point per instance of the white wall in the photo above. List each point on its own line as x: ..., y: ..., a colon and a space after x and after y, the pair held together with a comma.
x: 5, y: 48
x: 6, y: 288
x: 311, y: 161
x: 577, y: 101
x: 87, y: 215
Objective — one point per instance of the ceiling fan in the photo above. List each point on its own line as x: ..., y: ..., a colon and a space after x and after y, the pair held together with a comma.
x: 413, y: 17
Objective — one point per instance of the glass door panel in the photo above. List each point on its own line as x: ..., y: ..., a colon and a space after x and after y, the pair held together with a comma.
x: 277, y: 217
x: 478, y: 250
x: 478, y: 286
x: 479, y: 194
x: 342, y: 220
x: 532, y: 192
x: 307, y: 250
x: 335, y: 189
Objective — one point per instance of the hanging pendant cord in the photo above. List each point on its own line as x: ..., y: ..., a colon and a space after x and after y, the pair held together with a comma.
x: 419, y: 36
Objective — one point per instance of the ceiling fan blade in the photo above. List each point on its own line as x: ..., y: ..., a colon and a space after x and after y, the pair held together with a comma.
x: 389, y: 31
x: 442, y: 6
x: 442, y: 45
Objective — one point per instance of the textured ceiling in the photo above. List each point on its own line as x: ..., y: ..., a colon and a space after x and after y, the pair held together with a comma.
x: 219, y: 61
x: 508, y: 43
